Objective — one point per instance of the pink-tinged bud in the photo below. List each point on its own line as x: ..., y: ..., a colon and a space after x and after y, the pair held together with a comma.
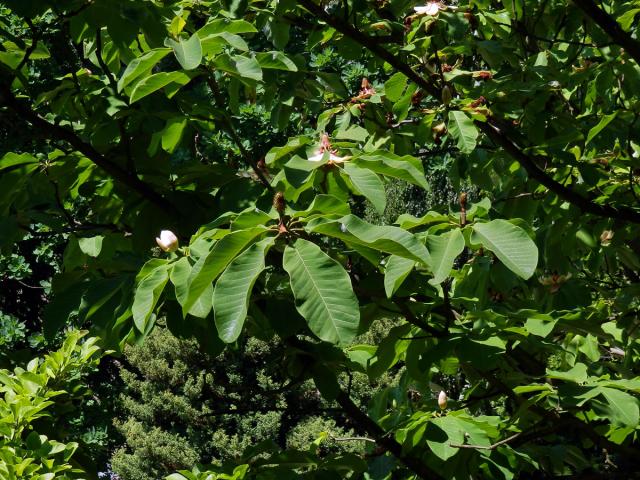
x: 167, y: 241
x: 442, y: 400
x: 605, y: 238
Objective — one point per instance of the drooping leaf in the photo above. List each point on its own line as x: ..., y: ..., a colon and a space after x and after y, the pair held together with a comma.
x: 444, y: 249
x: 405, y: 168
x: 463, y: 130
x: 392, y: 240
x: 276, y: 61
x: 188, y: 52
x: 208, y: 267
x: 91, y: 246
x: 368, y: 184
x: 233, y: 290
x: 396, y: 271
x: 147, y: 294
x: 155, y: 82
x: 604, y: 121
x: 141, y: 65
x: 622, y: 407
x: 510, y: 243
x: 323, y: 292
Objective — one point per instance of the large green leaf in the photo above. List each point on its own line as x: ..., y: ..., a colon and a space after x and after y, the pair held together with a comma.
x: 461, y: 128
x: 604, y: 121
x: 396, y: 271
x: 276, y: 61
x: 511, y: 245
x: 392, y: 240
x: 147, y: 294
x: 141, y: 65
x: 208, y: 267
x: 405, y: 168
x: 187, y: 52
x: 444, y: 249
x: 622, y: 408
x: 323, y: 292
x: 233, y: 290
x: 245, y: 68
x: 368, y: 184
x: 324, y: 205
x: 155, y: 82
x: 220, y: 25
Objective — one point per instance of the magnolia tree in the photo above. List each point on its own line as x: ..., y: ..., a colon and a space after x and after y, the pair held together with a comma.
x: 521, y: 306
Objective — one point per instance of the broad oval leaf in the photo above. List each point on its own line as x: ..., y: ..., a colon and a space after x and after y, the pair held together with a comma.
x: 141, y: 65
x: 323, y: 292
x: 187, y: 52
x: 461, y: 128
x: 444, y: 249
x: 392, y: 240
x: 510, y: 244
x: 233, y: 290
x: 368, y: 184
x: 276, y: 61
x: 147, y: 295
x: 208, y: 267
x: 155, y: 82
x: 405, y: 168
x: 396, y: 271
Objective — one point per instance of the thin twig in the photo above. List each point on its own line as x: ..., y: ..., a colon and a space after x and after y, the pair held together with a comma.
x: 247, y: 157
x: 488, y: 447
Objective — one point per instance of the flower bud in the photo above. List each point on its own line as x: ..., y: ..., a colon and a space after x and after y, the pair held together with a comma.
x: 605, y: 238
x: 446, y: 95
x: 439, y: 129
x: 279, y: 202
x: 616, y: 351
x: 167, y: 241
x: 442, y: 400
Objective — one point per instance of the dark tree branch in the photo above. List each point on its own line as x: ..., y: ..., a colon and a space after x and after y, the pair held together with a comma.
x: 34, y: 44
x: 611, y: 27
x: 383, y: 439
x: 68, y: 136
x: 490, y: 128
x: 101, y: 62
x: 534, y: 171
x: 231, y: 130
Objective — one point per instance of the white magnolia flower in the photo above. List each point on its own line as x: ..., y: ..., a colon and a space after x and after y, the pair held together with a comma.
x: 167, y: 241
x: 442, y: 400
x: 431, y: 8
x: 318, y: 157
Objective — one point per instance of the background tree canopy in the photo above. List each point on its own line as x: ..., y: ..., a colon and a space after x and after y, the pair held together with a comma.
x: 362, y: 203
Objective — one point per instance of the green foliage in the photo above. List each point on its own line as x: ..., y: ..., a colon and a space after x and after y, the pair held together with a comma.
x: 29, y: 396
x: 181, y: 406
x: 248, y: 128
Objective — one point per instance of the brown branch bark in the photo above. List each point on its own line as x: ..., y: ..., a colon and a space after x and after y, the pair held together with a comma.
x: 231, y: 130
x: 534, y: 171
x: 383, y: 439
x: 490, y: 128
x: 611, y: 27
x: 68, y: 136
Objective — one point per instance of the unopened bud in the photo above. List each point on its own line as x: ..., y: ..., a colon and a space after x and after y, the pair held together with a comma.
x: 278, y: 202
x: 439, y: 129
x: 442, y: 400
x: 616, y: 351
x: 605, y: 237
x: 167, y: 241
x: 446, y: 95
